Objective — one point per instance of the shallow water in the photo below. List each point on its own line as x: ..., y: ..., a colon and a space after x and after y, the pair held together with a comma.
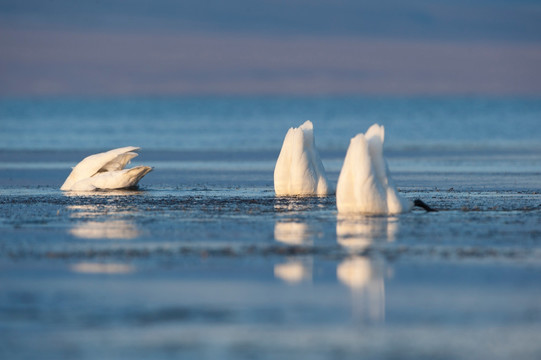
x: 203, y: 261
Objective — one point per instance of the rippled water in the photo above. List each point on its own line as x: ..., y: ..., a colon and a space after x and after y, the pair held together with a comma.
x: 203, y: 261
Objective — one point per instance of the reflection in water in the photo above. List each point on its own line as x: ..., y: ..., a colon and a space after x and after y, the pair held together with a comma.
x: 95, y: 211
x: 109, y: 229
x: 292, y: 204
x: 294, y: 233
x: 294, y: 271
x: 363, y: 275
x: 97, y: 268
x: 84, y: 211
x: 102, y: 193
x: 365, y: 278
x: 91, y: 226
x: 355, y: 272
x: 358, y: 233
x: 291, y: 233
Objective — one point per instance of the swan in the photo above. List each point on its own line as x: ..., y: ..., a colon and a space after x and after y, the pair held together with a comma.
x: 106, y: 171
x: 364, y: 184
x: 299, y: 170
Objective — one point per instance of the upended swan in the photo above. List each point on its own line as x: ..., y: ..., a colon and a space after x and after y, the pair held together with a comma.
x: 106, y: 171
x: 365, y: 185
x: 299, y: 170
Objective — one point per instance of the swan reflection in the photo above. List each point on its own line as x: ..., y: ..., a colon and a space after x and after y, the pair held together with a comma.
x: 365, y: 278
x: 358, y: 233
x: 102, y: 222
x: 98, y: 268
x: 293, y: 271
x: 291, y: 204
x: 102, y: 193
x: 363, y: 275
x: 294, y: 233
x: 109, y: 229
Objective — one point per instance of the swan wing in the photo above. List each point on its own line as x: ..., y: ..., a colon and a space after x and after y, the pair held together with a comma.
x: 92, y: 164
x: 119, y: 162
x: 110, y: 180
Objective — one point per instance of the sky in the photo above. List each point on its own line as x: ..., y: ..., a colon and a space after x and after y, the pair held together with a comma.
x: 269, y: 47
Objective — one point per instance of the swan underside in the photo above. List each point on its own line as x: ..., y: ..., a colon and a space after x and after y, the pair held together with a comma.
x: 299, y: 170
x: 365, y: 185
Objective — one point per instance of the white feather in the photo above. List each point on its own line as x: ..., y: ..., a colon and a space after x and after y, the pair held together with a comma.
x: 365, y: 184
x: 299, y: 170
x: 106, y: 171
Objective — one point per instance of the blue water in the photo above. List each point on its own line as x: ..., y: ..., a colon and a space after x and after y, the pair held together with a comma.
x: 204, y: 262
x: 259, y: 123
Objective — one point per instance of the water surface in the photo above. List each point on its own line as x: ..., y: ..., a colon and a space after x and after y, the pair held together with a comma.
x: 203, y: 261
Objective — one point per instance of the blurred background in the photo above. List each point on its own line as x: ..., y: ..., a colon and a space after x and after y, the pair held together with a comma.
x: 269, y: 47
x: 214, y: 75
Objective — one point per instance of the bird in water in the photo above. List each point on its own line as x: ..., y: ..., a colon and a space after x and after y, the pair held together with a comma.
x: 365, y: 185
x: 106, y: 171
x: 299, y: 170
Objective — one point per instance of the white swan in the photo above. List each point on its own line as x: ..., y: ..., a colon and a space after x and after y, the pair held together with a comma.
x: 364, y: 184
x: 299, y: 170
x: 106, y: 171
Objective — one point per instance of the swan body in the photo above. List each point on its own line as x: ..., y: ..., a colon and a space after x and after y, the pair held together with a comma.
x: 299, y: 170
x: 364, y: 184
x: 106, y: 171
